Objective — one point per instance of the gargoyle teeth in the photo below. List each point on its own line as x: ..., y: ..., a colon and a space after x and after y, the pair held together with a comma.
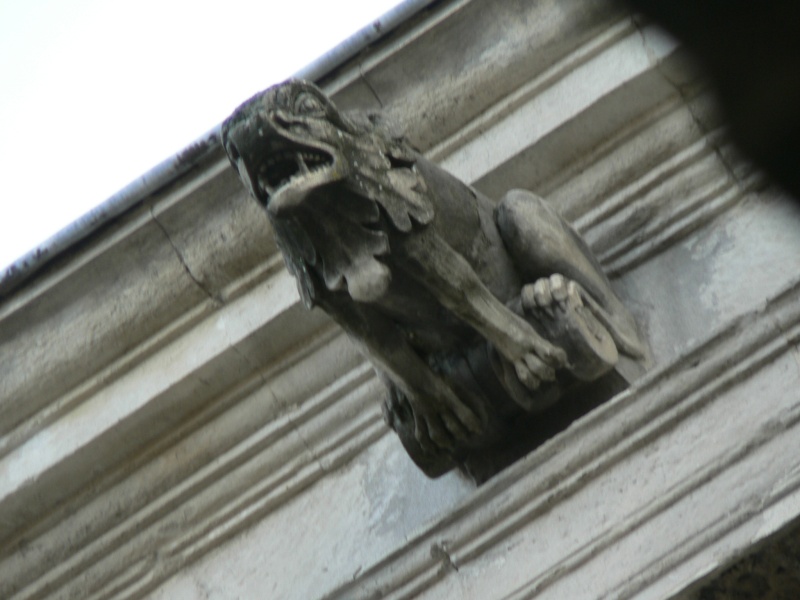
x: 301, y: 163
x: 285, y: 165
x: 262, y: 181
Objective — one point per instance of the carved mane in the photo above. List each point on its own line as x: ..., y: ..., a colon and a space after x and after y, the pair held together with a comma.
x: 359, y: 182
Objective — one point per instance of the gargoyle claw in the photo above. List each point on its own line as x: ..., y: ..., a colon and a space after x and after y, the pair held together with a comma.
x: 557, y: 304
x: 531, y: 371
x: 551, y: 295
x: 455, y: 427
x: 443, y: 424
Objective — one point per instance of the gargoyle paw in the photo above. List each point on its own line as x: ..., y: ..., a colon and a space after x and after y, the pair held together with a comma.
x: 557, y: 305
x: 444, y: 424
x: 551, y: 295
x: 532, y: 371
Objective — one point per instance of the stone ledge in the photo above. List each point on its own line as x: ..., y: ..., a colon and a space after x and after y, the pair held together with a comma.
x: 119, y: 296
x: 187, y: 496
x: 531, y: 497
x: 166, y: 386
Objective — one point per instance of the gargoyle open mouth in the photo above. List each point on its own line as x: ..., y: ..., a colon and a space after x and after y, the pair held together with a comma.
x: 287, y: 165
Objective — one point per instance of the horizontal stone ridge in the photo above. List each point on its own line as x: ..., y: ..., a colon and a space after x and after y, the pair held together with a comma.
x: 580, y: 457
x: 233, y: 402
x: 213, y: 498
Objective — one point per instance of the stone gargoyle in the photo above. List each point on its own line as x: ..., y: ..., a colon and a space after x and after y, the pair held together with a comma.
x: 472, y: 312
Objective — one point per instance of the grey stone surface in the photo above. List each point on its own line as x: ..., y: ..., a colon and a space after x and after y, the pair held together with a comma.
x: 179, y: 424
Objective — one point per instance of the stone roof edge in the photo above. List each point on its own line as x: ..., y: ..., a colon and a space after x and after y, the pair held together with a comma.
x: 198, y: 152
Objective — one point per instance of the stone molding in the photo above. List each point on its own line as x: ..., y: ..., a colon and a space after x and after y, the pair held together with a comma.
x: 149, y: 417
x: 527, y: 492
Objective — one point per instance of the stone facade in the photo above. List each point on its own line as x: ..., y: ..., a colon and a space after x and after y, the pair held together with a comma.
x: 173, y: 424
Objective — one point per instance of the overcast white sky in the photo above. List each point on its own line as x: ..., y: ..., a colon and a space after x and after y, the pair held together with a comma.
x: 94, y: 93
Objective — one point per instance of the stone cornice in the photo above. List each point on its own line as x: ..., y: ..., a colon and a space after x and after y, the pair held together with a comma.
x: 235, y: 480
x: 580, y: 459
x: 161, y: 389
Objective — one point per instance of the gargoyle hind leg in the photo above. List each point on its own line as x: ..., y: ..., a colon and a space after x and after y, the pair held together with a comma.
x: 542, y: 243
x: 441, y: 418
x: 450, y: 278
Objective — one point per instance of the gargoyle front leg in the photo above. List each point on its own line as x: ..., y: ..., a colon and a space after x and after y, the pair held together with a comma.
x: 454, y: 283
x: 441, y: 418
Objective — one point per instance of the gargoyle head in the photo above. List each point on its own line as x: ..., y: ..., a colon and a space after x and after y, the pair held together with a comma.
x: 286, y: 142
x: 290, y: 140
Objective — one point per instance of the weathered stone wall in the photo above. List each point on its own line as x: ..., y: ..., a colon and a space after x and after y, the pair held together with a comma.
x: 174, y: 425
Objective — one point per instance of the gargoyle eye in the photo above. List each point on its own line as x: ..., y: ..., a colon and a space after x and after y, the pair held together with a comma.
x: 308, y: 104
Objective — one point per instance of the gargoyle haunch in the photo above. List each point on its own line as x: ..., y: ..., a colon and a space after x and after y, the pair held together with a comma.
x: 472, y: 313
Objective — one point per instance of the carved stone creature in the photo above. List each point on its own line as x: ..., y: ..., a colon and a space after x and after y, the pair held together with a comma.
x: 472, y: 313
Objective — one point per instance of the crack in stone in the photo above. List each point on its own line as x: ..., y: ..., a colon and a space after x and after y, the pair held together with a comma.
x: 369, y: 85
x: 260, y: 374
x: 296, y: 428
x: 312, y: 455
x: 439, y: 552
x: 216, y: 299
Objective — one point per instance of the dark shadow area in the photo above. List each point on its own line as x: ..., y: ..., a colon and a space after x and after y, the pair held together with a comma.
x: 750, y: 52
x: 771, y: 571
x: 529, y: 431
